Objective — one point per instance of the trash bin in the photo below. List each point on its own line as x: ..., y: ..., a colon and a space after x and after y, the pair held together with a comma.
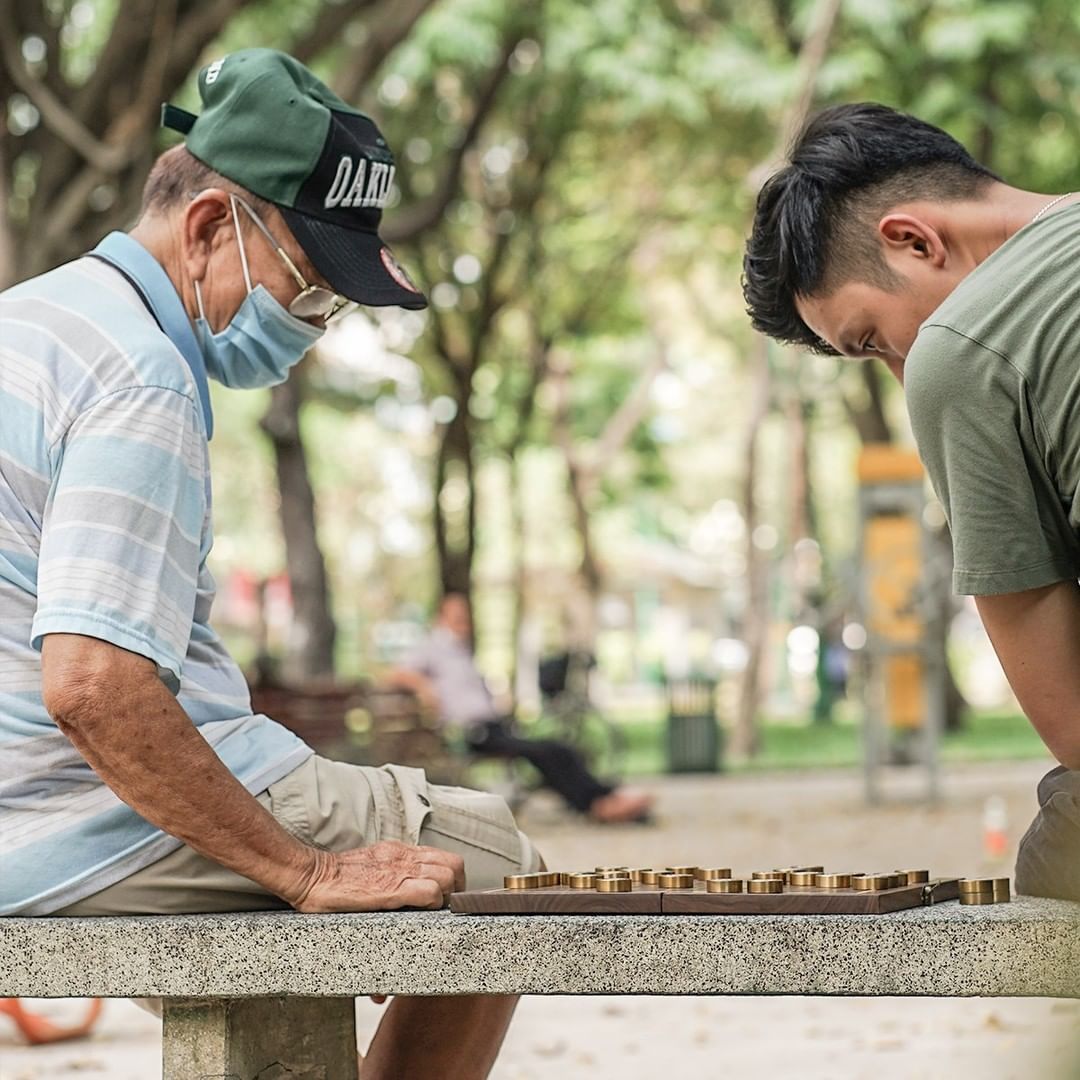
x: 693, y: 735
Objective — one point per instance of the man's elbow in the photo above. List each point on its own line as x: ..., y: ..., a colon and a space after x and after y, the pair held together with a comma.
x: 76, y: 700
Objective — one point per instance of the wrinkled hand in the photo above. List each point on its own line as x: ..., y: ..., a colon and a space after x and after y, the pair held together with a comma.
x: 384, y: 877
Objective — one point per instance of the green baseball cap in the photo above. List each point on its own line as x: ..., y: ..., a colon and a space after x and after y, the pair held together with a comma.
x: 269, y: 125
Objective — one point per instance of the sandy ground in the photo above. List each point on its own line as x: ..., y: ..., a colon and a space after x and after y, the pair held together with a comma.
x: 747, y: 822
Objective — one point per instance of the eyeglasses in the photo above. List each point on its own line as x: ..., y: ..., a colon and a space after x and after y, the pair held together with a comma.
x: 313, y: 301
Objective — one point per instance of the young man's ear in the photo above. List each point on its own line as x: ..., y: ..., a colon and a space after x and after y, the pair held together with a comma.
x: 906, y: 235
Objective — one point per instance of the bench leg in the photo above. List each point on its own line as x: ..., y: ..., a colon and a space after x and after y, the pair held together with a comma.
x: 259, y: 1039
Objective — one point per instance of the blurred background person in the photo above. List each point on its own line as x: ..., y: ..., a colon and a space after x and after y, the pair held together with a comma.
x: 442, y: 672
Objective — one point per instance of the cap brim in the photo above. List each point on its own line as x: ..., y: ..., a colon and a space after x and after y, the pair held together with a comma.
x: 356, y: 263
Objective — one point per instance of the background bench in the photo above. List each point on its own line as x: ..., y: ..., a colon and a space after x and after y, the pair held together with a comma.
x: 247, y: 994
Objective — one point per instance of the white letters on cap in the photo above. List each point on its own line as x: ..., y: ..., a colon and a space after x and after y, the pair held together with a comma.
x: 214, y: 70
x: 341, y: 182
x: 351, y: 190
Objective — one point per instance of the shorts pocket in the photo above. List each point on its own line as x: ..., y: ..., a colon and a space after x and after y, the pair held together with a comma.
x: 415, y: 796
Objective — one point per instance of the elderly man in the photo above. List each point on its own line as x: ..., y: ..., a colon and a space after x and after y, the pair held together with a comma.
x: 134, y: 778
x: 882, y: 237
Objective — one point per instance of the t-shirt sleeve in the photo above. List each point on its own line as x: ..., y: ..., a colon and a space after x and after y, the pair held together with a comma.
x: 419, y: 659
x: 984, y: 445
x: 120, y: 543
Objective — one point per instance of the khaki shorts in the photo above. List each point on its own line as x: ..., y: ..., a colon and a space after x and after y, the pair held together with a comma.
x: 335, y: 806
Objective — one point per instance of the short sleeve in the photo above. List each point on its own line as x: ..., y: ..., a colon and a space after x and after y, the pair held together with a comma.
x: 120, y: 544
x: 984, y: 445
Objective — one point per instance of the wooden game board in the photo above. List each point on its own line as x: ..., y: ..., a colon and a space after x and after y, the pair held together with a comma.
x: 650, y: 900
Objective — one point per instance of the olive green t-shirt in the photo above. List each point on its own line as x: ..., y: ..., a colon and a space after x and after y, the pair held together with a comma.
x: 993, y: 390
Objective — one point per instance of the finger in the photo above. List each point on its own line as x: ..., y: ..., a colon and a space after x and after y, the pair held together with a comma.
x: 420, y: 893
x: 379, y: 999
x: 443, y: 875
x: 446, y: 858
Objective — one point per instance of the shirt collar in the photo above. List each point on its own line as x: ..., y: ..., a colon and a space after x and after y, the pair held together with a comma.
x: 160, y: 295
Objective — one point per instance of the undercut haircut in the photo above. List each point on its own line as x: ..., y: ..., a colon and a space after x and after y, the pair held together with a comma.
x: 815, y: 224
x: 178, y: 175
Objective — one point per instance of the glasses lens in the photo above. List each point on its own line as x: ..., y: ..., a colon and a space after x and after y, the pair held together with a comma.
x: 315, y: 302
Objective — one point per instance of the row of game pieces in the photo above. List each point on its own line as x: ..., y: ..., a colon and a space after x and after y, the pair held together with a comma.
x: 611, y: 879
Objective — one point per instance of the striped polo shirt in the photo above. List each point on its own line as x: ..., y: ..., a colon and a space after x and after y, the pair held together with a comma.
x: 104, y: 531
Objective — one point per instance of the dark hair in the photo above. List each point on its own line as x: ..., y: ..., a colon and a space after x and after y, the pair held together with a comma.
x: 178, y: 174
x: 814, y: 224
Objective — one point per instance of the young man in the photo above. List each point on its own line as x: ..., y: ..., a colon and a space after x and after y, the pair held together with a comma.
x: 442, y: 672
x: 882, y: 237
x: 134, y: 778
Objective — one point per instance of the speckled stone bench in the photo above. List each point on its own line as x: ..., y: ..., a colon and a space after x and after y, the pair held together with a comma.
x: 252, y: 996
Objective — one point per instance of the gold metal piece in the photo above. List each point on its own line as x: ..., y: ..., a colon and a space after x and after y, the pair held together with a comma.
x: 691, y: 870
x: 614, y: 884
x: 635, y: 874
x: 582, y: 881
x: 723, y: 885
x: 976, y: 885
x: 769, y: 875
x: 547, y: 879
x: 713, y: 873
x: 871, y: 882
x: 979, y: 898
x: 765, y: 885
x: 1002, y: 892
x: 564, y: 878
x: 810, y: 869
x: 612, y: 870
x: 675, y: 881
x: 914, y: 877
x: 521, y: 881
x: 832, y: 881
x: 803, y: 877
x: 650, y: 877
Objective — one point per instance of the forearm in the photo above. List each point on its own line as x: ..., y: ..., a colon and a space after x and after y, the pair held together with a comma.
x: 145, y: 748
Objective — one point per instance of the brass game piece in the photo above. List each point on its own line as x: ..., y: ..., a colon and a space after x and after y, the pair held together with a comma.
x: 710, y: 873
x: 675, y: 881
x: 914, y: 877
x: 521, y: 881
x: 547, y: 879
x: 833, y: 881
x: 984, y: 891
x: 723, y: 885
x: 769, y: 875
x: 810, y: 869
x: 803, y: 877
x: 582, y: 881
x: 614, y: 884
x: 635, y: 875
x: 691, y: 870
x: 765, y: 885
x: 978, y: 898
x: 649, y: 877
x: 612, y: 870
x: 871, y: 882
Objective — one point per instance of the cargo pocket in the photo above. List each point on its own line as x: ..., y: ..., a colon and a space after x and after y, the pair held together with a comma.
x: 415, y: 799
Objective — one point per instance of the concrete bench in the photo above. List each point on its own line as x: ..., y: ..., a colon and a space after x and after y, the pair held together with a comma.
x: 263, y: 996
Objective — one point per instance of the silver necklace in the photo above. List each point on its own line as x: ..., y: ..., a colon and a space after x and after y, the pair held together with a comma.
x: 1050, y: 206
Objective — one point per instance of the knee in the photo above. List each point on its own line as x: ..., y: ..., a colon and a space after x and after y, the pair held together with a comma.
x: 1046, y: 862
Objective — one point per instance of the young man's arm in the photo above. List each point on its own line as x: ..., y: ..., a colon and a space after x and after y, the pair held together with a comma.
x: 1036, y: 635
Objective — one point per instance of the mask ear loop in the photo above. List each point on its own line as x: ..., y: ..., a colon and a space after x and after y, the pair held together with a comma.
x: 240, y: 244
x: 198, y: 300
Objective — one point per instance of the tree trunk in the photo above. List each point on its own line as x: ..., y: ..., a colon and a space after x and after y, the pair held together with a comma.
x: 455, y: 527
x: 312, y: 636
x: 746, y: 737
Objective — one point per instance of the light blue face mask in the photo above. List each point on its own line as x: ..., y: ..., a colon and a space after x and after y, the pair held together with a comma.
x: 262, y: 340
